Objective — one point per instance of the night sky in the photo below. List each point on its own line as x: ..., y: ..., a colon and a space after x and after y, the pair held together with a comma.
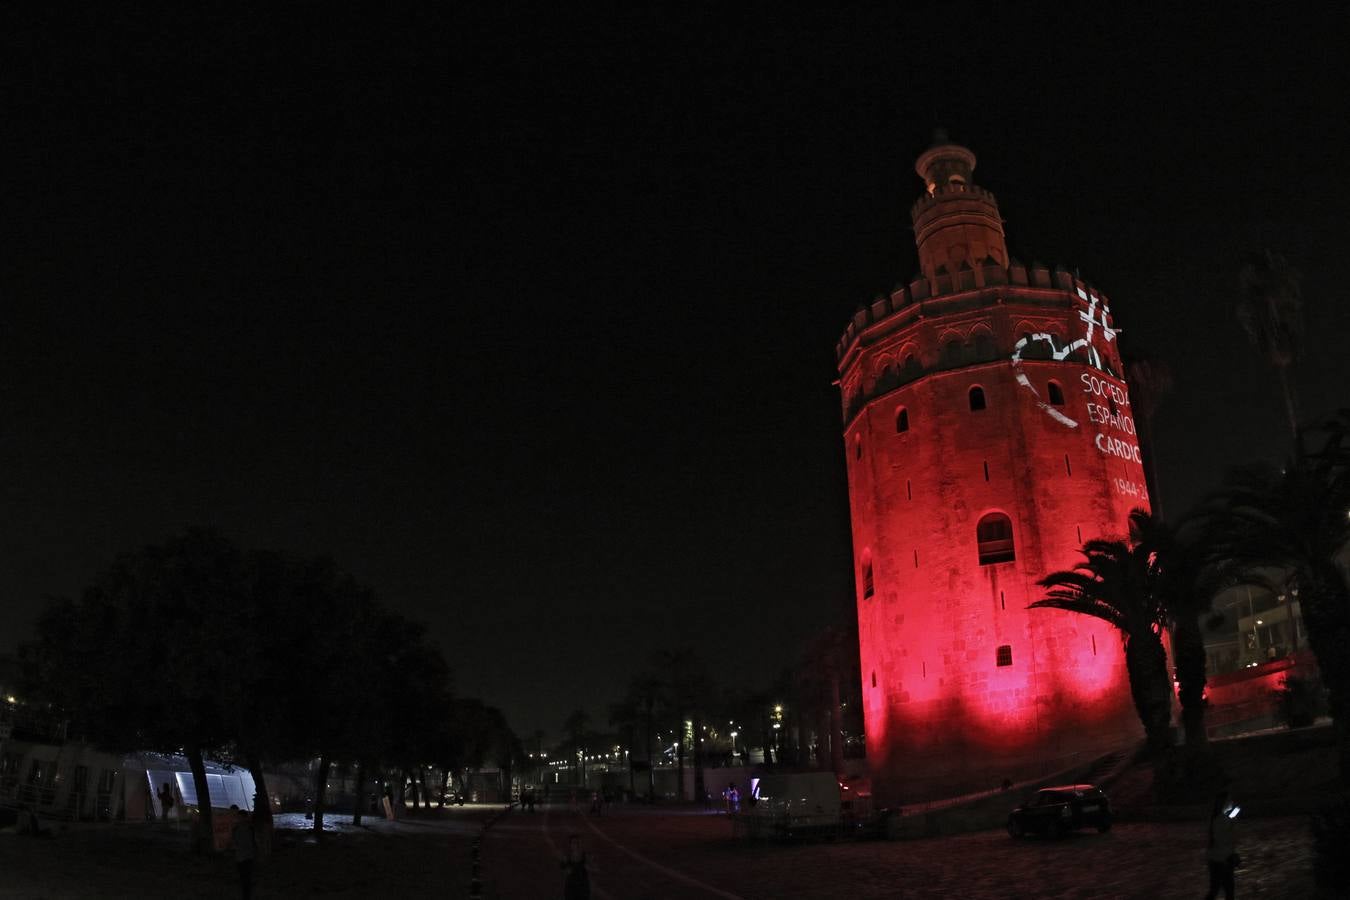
x: 530, y: 322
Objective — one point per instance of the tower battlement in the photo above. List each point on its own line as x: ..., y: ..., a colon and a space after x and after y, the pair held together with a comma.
x: 938, y: 291
x: 947, y: 192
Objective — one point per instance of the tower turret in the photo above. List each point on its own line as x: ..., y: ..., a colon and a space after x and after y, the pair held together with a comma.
x: 955, y: 223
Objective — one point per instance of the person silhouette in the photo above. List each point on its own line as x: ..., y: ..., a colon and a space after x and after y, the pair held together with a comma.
x: 576, y: 877
x: 245, y: 849
x: 1221, y: 855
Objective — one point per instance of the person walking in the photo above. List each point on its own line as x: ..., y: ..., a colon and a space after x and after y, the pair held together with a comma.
x: 1221, y: 854
x: 165, y: 801
x: 576, y: 877
x: 245, y: 849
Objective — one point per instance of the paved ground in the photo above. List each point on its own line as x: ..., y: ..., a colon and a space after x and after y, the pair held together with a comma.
x: 640, y: 854
x: 423, y: 856
x: 643, y: 854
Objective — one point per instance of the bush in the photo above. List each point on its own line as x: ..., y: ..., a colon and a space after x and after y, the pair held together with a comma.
x: 1301, y: 701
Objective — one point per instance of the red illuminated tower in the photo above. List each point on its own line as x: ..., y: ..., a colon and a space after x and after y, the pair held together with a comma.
x: 989, y: 433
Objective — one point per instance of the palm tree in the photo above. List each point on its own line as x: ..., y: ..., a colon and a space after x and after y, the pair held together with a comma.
x: 1270, y: 308
x: 1117, y: 583
x: 575, y: 726
x: 1187, y: 575
x: 1150, y: 379
x: 645, y: 700
x: 688, y: 688
x: 1297, y: 519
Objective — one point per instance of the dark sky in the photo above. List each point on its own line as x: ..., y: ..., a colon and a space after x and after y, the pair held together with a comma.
x: 530, y: 322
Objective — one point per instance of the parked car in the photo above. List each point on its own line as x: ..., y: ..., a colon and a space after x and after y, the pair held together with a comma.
x: 1055, y: 811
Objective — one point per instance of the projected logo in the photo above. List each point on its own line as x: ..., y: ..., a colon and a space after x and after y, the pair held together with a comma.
x: 1108, y: 404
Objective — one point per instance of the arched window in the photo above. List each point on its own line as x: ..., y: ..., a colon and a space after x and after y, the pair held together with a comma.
x: 1033, y: 349
x: 868, y: 584
x: 1056, y: 393
x: 901, y: 420
x: 984, y: 346
x: 912, y: 368
x: 951, y: 353
x: 977, y: 399
x: 995, y: 537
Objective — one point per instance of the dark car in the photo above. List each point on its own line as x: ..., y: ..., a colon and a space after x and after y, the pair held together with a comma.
x: 1057, y: 810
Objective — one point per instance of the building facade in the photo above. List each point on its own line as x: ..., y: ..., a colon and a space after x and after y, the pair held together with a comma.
x: 988, y: 433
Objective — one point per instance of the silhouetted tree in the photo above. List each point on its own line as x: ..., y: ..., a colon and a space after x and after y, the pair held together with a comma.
x: 1270, y: 308
x: 1117, y: 583
x: 146, y: 657
x: 647, y: 699
x: 688, y: 688
x: 1297, y: 519
x: 577, y: 727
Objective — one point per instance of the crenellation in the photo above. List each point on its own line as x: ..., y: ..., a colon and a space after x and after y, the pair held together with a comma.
x: 1066, y: 289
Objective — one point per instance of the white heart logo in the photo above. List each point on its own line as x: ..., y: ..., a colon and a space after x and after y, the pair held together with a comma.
x: 1059, y: 354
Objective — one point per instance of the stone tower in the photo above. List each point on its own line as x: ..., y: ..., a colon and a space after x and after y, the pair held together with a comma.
x: 989, y: 433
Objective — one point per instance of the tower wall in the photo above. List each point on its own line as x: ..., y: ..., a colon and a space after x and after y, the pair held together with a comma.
x: 943, y: 715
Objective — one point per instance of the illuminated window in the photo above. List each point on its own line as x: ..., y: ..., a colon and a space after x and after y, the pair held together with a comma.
x: 977, y: 402
x: 902, y: 421
x: 1056, y: 393
x: 1004, y: 655
x: 995, y: 536
x: 868, y: 584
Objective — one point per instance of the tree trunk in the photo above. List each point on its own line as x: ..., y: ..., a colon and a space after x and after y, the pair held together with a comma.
x: 679, y: 763
x: 1189, y: 649
x: 262, y: 808
x: 1325, y: 602
x: 1287, y: 392
x: 203, y: 836
x: 359, y: 806
x: 1146, y: 662
x: 699, y: 788
x: 402, y: 798
x: 320, y: 793
x: 836, y: 726
x: 651, y: 763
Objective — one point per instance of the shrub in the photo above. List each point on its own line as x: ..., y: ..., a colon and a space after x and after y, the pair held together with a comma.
x: 1301, y: 701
